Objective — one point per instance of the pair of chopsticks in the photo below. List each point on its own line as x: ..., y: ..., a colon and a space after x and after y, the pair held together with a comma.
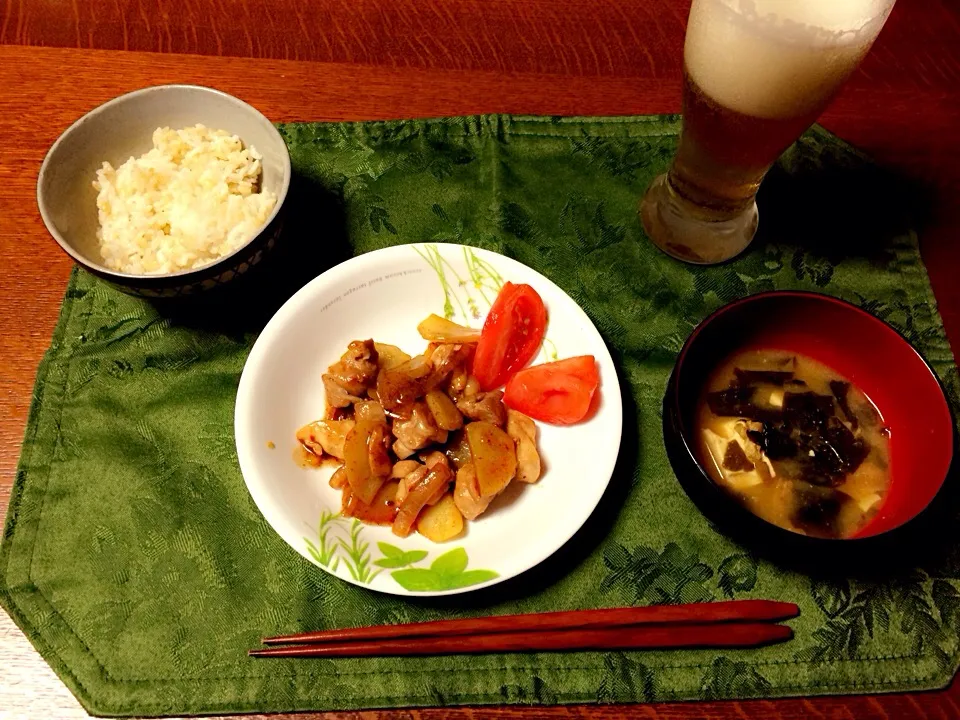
x: 727, y: 624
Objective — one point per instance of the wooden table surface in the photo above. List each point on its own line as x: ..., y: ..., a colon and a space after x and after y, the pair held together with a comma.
x: 368, y: 59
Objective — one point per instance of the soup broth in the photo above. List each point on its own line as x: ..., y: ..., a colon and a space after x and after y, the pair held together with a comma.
x: 798, y: 444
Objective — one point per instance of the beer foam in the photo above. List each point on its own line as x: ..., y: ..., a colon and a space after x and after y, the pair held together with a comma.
x: 778, y: 58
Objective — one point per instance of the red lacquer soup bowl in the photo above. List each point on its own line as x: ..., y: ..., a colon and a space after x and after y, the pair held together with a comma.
x: 851, y: 341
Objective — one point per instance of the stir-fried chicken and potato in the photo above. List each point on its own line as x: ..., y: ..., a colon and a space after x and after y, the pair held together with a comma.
x: 419, y: 445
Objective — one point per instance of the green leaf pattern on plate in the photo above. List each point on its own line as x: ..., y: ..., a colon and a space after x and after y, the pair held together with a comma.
x: 394, y: 557
x: 324, y: 551
x: 336, y: 541
x: 357, y: 556
x: 447, y: 572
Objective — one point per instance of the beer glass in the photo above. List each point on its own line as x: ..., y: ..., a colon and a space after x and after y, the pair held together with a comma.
x: 756, y: 74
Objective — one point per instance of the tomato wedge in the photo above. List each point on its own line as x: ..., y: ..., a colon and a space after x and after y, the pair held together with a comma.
x: 559, y: 392
x: 511, y: 335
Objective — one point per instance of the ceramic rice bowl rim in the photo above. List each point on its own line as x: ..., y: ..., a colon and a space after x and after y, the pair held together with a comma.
x: 160, y: 279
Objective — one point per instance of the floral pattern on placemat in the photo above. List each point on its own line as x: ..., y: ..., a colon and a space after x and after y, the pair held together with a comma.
x: 135, y: 561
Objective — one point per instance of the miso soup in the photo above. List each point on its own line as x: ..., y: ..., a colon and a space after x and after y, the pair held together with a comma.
x: 795, y: 442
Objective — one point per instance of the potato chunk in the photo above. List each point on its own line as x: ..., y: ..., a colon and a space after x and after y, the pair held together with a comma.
x: 440, y: 522
x: 494, y: 456
x: 437, y: 329
x: 444, y: 411
x: 390, y: 356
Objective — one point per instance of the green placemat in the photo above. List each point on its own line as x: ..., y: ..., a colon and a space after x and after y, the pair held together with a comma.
x: 137, y: 564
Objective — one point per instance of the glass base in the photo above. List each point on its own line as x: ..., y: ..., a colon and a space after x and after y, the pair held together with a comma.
x: 688, y: 233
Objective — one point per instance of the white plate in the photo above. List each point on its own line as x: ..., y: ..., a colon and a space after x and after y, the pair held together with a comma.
x: 384, y: 295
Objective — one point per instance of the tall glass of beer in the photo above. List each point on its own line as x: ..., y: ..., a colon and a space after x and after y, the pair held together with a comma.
x: 757, y: 73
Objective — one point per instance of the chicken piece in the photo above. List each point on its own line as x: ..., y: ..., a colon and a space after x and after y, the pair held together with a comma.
x: 458, y: 382
x: 466, y: 493
x: 398, y: 387
x: 348, y: 379
x: 369, y: 410
x: 404, y: 468
x: 378, y: 451
x: 433, y: 457
x: 419, y: 430
x: 339, y: 478
x: 486, y: 406
x: 424, y: 486
x: 430, y: 459
x: 401, y: 450
x: 325, y: 436
x: 407, y: 481
x: 338, y: 413
x: 523, y: 430
x: 357, y: 365
x: 472, y: 388
x: 337, y: 395
x: 444, y: 359
x: 410, y: 478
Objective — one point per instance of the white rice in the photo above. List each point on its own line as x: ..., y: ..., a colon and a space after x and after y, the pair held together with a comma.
x: 192, y: 199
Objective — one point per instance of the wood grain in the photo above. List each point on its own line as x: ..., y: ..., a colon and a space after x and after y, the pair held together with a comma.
x: 370, y: 59
x: 614, y: 38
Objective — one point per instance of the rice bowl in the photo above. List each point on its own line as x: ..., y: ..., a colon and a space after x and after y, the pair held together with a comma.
x: 122, y: 128
x: 192, y: 199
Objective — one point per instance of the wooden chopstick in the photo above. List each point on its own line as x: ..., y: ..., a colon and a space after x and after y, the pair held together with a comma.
x: 662, y: 636
x: 697, y: 613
